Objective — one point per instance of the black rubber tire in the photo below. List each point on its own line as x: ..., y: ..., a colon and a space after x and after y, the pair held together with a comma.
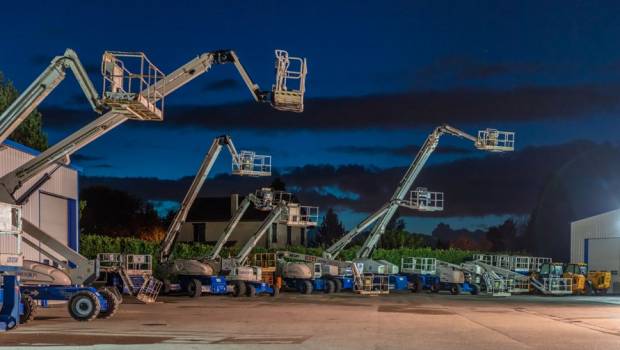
x: 455, y: 289
x: 306, y: 288
x: 194, y: 288
x: 84, y: 306
x: 166, y: 289
x: 238, y: 289
x: 250, y: 291
x: 338, y: 284
x: 418, y: 286
x: 330, y: 287
x: 435, y: 288
x: 113, y: 304
x: 276, y: 291
x: 117, y: 293
x: 588, y: 290
x: 30, y: 309
x: 475, y: 289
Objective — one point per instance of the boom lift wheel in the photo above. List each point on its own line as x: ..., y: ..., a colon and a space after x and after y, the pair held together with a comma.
x: 84, y: 306
x: 194, y: 288
x: 166, y: 288
x: 306, y: 287
x: 588, y: 290
x: 238, y: 289
x: 455, y: 289
x: 475, y: 289
x: 112, y: 302
x: 338, y: 285
x: 115, y: 292
x: 30, y: 309
x: 417, y: 288
x: 330, y: 287
x: 251, y: 291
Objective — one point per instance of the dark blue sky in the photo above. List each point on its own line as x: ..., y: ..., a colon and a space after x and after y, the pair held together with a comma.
x: 381, y: 76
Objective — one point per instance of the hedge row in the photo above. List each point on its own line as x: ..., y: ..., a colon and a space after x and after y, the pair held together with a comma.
x: 90, y: 245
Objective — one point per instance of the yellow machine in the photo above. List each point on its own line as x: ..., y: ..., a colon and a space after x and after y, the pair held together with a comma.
x: 587, y: 282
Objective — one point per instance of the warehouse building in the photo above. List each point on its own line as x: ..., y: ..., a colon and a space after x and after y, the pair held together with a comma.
x: 596, y: 241
x: 53, y: 207
x: 208, y: 217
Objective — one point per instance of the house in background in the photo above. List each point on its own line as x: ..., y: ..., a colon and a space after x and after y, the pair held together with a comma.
x: 209, y: 216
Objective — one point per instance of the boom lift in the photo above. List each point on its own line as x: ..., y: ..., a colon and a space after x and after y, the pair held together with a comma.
x: 42, y: 282
x: 130, y: 96
x: 339, y: 273
x: 488, y: 140
x: 248, y: 278
x: 187, y: 273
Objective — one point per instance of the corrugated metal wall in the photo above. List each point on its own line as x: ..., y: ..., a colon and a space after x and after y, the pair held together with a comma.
x: 600, y: 236
x: 606, y: 225
x: 63, y: 184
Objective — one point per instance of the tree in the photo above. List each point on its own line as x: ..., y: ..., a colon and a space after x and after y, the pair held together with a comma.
x: 117, y: 213
x: 331, y: 229
x: 30, y: 131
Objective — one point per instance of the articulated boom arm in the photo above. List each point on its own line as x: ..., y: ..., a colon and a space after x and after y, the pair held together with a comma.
x: 234, y: 221
x: 45, y: 83
x: 335, y: 249
x: 58, y: 153
x: 497, y: 142
x: 168, y: 243
x: 312, y: 259
x: 203, y: 172
x: 274, y: 216
x: 85, y: 270
x: 203, y: 64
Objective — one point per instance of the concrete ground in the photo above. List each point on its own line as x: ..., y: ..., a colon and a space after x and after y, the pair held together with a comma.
x: 343, y: 321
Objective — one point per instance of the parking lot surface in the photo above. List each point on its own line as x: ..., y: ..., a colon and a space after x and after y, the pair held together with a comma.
x: 337, y: 321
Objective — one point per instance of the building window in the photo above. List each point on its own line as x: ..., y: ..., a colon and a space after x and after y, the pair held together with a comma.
x: 200, y: 232
x: 288, y: 235
x: 302, y: 236
x: 274, y: 233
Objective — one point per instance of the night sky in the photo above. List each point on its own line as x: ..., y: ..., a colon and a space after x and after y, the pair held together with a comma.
x: 381, y: 76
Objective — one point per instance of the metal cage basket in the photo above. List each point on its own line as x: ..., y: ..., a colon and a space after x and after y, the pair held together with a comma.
x: 289, y: 88
x: 248, y: 163
x: 133, y: 84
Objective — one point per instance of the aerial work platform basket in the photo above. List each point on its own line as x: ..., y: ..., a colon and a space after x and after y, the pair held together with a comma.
x: 302, y: 215
x: 424, y: 200
x: 494, y: 140
x: 248, y: 163
x: 290, y: 86
x: 267, y: 198
x: 132, y: 84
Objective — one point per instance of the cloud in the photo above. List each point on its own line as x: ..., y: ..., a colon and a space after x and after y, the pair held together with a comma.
x: 407, y: 150
x: 496, y: 184
x: 222, y: 85
x: 398, y: 111
x: 464, y: 68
